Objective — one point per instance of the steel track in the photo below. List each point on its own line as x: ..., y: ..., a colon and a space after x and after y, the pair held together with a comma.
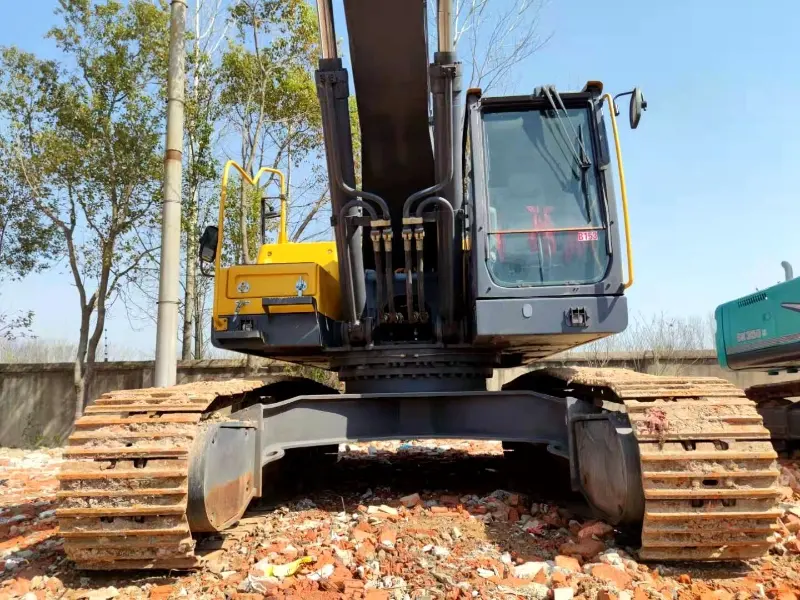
x: 709, y: 471
x: 124, y: 487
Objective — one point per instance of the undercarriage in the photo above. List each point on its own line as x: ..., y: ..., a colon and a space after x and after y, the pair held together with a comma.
x: 687, y: 459
x: 777, y: 404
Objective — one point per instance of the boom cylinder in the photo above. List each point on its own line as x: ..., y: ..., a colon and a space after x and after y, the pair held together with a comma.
x: 445, y: 26
x: 332, y: 81
x: 327, y: 31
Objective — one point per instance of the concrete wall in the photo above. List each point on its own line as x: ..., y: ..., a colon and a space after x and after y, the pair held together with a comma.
x: 37, y: 405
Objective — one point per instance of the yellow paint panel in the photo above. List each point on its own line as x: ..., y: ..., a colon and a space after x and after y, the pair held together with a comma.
x: 258, y: 281
x: 246, y: 285
x: 321, y: 253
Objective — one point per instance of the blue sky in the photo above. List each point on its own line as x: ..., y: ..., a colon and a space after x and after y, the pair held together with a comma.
x: 711, y: 170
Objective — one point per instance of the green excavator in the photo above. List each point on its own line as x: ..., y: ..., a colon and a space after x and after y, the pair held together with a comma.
x: 761, y: 332
x: 486, y: 234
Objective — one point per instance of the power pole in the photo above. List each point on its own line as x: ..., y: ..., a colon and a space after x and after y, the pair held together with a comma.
x: 167, y: 324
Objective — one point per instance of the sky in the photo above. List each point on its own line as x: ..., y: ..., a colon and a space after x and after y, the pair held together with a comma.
x: 711, y: 170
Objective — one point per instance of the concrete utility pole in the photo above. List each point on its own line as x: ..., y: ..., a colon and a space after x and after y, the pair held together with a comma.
x: 167, y: 324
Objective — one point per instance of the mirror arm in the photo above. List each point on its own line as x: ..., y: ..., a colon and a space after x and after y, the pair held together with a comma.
x: 614, y: 101
x: 204, y: 273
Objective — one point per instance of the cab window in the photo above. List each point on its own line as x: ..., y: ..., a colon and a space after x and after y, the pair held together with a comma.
x: 546, y: 222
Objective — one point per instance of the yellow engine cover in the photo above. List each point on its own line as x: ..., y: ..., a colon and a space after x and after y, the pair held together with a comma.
x: 282, y: 271
x: 321, y: 253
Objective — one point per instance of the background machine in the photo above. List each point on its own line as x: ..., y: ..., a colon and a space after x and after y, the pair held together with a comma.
x: 485, y: 234
x: 761, y: 332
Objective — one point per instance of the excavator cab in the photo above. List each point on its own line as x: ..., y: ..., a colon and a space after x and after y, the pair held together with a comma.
x: 544, y: 220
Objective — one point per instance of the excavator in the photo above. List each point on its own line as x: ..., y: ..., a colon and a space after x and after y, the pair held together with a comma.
x: 761, y: 332
x: 485, y: 234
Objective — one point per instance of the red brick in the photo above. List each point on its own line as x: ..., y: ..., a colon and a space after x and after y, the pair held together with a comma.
x: 359, y: 535
x: 161, y: 592
x: 388, y: 536
x: 569, y: 563
x: 716, y: 595
x: 379, y: 595
x: 586, y: 548
x: 640, y: 594
x: 20, y: 586
x: 598, y: 529
x: 613, y: 575
x: 606, y: 595
x: 353, y: 584
x: 513, y: 515
x: 411, y: 500
x: 685, y: 578
x: 366, y: 551
x: 793, y: 546
x: 792, y: 522
x: 439, y: 510
x: 448, y: 500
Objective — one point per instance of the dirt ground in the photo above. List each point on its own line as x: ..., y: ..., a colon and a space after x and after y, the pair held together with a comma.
x: 423, y: 520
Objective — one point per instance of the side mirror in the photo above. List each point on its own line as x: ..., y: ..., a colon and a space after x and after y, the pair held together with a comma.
x: 208, y: 244
x: 267, y: 209
x: 638, y: 104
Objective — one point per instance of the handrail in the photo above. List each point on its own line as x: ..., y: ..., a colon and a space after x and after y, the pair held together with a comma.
x: 282, y: 237
x: 623, y: 189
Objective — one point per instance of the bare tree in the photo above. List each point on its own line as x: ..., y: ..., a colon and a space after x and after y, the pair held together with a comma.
x: 209, y: 31
x: 492, y: 38
x: 659, y: 343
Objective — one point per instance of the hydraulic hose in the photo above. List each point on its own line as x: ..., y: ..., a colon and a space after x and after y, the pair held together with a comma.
x: 409, y: 278
x: 441, y: 139
x: 330, y: 117
x: 445, y: 253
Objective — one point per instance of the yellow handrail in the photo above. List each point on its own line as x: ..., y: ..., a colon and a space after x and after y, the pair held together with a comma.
x: 282, y: 237
x: 623, y: 190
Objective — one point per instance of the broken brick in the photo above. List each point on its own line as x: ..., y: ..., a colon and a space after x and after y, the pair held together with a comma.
x: 587, y: 548
x: 569, y: 563
x: 611, y: 574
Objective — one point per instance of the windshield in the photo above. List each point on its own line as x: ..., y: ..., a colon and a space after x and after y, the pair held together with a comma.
x: 546, y: 223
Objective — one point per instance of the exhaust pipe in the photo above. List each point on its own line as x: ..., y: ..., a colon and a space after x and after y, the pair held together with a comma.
x: 787, y: 270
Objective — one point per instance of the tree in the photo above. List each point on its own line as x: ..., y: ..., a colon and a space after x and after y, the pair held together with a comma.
x: 85, y: 135
x: 19, y: 325
x: 658, y: 343
x: 203, y: 112
x: 493, y: 37
x: 269, y: 91
x: 26, y: 239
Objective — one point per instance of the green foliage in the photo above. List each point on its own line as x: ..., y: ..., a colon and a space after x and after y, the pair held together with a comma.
x: 16, y: 326
x: 268, y: 89
x: 83, y: 137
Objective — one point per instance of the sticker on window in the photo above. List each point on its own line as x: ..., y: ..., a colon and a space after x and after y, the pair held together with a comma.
x: 587, y: 236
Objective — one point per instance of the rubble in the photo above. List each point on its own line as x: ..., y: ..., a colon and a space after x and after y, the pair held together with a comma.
x: 404, y: 538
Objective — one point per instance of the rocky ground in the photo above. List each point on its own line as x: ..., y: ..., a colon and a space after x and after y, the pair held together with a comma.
x: 423, y: 520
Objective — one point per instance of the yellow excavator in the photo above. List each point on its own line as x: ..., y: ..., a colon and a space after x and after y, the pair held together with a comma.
x: 486, y: 234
